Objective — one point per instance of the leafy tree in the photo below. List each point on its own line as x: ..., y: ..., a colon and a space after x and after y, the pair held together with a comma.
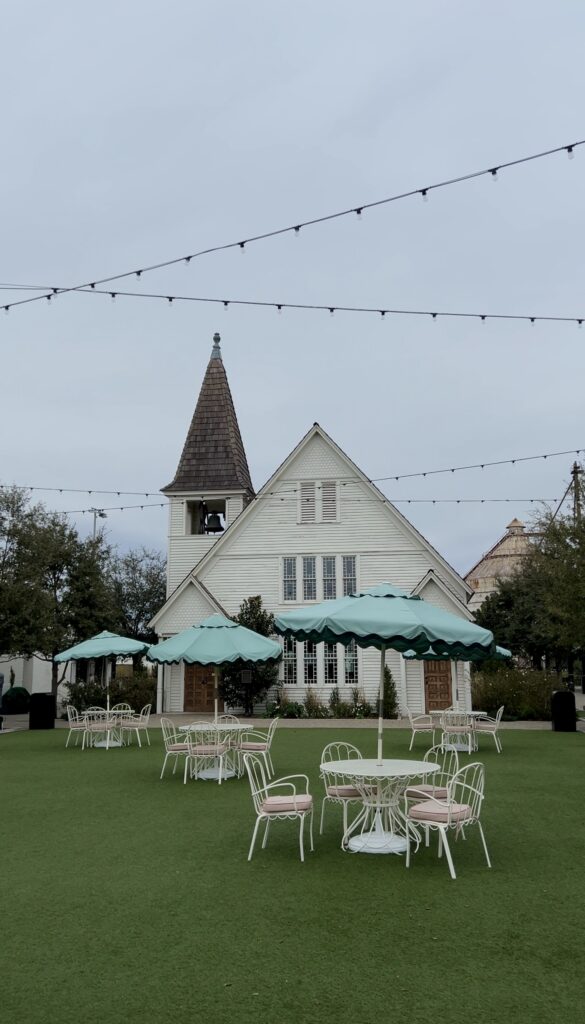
x: 54, y: 588
x: 540, y: 611
x: 244, y: 685
x: 139, y: 580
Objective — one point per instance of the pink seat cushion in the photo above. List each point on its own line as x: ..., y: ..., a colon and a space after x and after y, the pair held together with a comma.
x: 423, y: 792
x: 252, y: 746
x: 430, y: 811
x: 486, y: 726
x: 287, y: 804
x: 176, y: 748
x: 208, y: 750
x: 344, y: 792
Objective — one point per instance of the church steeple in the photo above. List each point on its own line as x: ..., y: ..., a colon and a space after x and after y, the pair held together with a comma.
x: 213, y: 457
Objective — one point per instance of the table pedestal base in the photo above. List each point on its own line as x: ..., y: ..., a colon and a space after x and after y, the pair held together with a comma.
x: 106, y: 745
x: 213, y: 774
x: 377, y: 842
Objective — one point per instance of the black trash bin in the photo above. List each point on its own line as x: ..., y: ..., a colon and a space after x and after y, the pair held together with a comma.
x: 42, y: 711
x: 564, y: 715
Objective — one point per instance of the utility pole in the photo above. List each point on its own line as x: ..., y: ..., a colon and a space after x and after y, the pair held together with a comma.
x: 576, y: 473
x: 97, y: 513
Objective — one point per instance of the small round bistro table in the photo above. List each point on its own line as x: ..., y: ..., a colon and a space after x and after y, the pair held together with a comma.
x: 380, y: 825
x: 233, y: 731
x: 459, y: 742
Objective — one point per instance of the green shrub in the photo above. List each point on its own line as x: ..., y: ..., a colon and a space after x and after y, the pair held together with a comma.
x: 525, y: 693
x: 390, y: 709
x: 16, y: 701
x: 283, y: 707
x: 314, y: 708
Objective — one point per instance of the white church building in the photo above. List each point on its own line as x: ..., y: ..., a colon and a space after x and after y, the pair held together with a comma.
x: 317, y: 529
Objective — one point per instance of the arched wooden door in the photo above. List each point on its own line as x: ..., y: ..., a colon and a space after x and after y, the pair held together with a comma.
x: 438, y: 692
x: 198, y: 691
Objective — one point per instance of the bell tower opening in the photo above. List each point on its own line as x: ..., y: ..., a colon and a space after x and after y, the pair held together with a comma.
x: 205, y: 517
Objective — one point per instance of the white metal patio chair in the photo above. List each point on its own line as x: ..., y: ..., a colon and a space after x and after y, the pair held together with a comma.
x: 420, y: 723
x: 271, y: 804
x: 457, y: 726
x: 490, y: 727
x: 229, y: 719
x: 76, y: 723
x: 175, y: 743
x: 460, y: 809
x: 258, y: 742
x: 205, y: 749
x: 448, y: 761
x: 137, y: 724
x: 337, y: 789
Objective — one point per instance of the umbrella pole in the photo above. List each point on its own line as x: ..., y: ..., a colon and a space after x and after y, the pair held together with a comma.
x: 381, y: 703
x: 215, y: 691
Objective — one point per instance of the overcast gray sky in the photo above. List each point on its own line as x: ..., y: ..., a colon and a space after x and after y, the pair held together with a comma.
x: 135, y: 132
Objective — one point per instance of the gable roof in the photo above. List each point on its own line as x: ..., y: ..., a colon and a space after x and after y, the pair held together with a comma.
x: 213, y: 456
x: 317, y: 431
x: 432, y: 577
x: 188, y: 581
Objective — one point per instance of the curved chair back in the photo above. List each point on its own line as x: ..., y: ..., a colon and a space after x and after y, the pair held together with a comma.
x: 466, y: 787
x: 271, y: 731
x: 144, y: 715
x: 169, y: 731
x: 229, y: 719
x: 338, y: 751
x: 73, y: 716
x: 499, y: 714
x: 120, y: 708
x: 448, y: 761
x: 257, y: 778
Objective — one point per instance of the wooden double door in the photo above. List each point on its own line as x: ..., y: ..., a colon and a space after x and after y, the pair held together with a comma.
x: 438, y: 685
x: 198, y: 691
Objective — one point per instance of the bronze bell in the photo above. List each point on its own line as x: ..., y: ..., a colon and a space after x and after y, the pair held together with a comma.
x: 213, y: 523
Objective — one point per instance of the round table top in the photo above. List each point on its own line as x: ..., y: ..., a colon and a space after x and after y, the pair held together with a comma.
x: 450, y: 711
x: 388, y: 768
x: 223, y: 726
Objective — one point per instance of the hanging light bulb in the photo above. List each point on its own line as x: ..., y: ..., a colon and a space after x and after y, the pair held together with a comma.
x: 242, y: 246
x: 279, y: 308
x: 494, y: 173
x: 358, y: 211
x: 297, y: 230
x: 424, y: 193
x: 332, y: 310
x: 570, y: 153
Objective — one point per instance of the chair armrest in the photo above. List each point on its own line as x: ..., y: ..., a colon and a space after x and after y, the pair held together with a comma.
x: 254, y: 736
x: 288, y: 780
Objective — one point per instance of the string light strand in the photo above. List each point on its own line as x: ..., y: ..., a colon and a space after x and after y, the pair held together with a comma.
x: 296, y: 227
x: 328, y: 307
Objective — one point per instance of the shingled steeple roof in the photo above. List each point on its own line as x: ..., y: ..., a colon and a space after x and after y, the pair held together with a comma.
x: 213, y: 457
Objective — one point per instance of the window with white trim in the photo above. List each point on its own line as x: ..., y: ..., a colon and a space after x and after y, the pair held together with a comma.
x: 310, y: 578
x: 310, y: 663
x: 328, y: 501
x: 289, y: 661
x: 329, y: 577
x: 351, y: 664
x: 308, y: 502
x: 289, y: 579
x: 330, y: 664
x: 349, y: 575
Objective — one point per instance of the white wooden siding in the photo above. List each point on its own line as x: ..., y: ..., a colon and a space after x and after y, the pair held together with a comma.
x: 249, y: 560
x: 192, y: 607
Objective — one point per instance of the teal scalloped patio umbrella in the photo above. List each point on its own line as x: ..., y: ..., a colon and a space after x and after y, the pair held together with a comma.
x: 387, y: 618
x: 215, y: 641
x: 104, y: 645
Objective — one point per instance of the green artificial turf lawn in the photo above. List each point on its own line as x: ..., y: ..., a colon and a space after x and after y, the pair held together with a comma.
x: 126, y: 898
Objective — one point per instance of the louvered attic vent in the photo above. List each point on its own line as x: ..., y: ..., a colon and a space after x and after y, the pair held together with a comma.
x: 308, y: 502
x: 318, y: 501
x: 329, y: 501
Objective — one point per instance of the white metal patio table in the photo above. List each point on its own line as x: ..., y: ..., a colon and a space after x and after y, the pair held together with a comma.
x: 460, y: 743
x: 380, y: 825
x: 233, y: 731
